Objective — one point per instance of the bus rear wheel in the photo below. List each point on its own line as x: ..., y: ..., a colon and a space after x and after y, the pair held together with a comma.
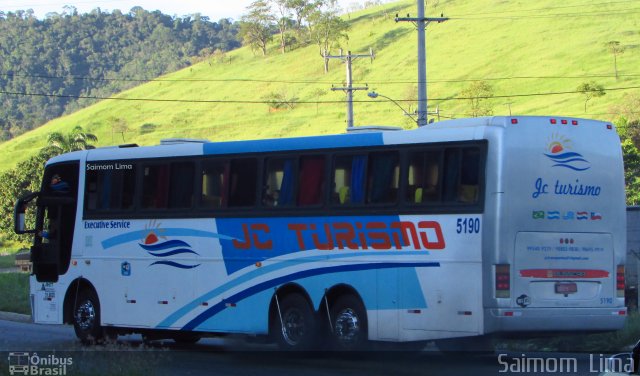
x: 86, y: 318
x: 348, y: 324
x: 295, y: 324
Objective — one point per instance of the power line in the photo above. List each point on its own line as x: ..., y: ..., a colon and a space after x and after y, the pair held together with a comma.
x: 235, y: 101
x: 311, y: 82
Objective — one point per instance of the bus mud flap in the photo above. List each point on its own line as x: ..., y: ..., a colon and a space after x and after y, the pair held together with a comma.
x: 279, y: 311
x: 326, y: 304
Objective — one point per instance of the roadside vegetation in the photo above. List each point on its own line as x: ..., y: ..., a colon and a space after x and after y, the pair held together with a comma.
x: 14, y: 290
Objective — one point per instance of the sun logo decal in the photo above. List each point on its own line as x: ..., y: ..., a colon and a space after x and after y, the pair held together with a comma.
x: 558, y: 151
x: 158, y: 245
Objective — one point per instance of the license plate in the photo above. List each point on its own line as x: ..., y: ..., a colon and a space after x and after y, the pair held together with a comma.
x: 566, y: 288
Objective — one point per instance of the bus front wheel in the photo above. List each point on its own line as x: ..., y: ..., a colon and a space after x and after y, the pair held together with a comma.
x: 86, y: 317
x: 294, y: 326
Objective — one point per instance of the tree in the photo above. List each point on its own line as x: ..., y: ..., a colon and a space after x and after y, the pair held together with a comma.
x: 631, y: 157
x: 317, y: 93
x: 410, y: 96
x: 25, y: 177
x: 301, y: 10
x: 326, y: 27
x: 478, y: 93
x: 628, y: 107
x: 118, y: 125
x: 630, y: 140
x: 590, y: 90
x: 615, y: 49
x: 280, y: 100
x: 255, y: 27
x: 283, y: 21
x: 69, y: 55
x: 77, y: 139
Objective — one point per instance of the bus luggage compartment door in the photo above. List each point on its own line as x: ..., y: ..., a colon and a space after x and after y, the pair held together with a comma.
x: 564, y: 270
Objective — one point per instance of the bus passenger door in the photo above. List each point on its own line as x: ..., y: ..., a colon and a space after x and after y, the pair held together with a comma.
x: 55, y: 222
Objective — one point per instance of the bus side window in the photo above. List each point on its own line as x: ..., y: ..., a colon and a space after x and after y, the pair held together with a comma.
x: 181, y: 185
x: 215, y: 175
x: 423, y: 177
x: 155, y: 187
x: 461, y: 177
x: 278, y: 189
x: 451, y: 174
x: 348, y: 179
x: 243, y: 182
x: 91, y: 196
x: 384, y: 175
x: 109, y: 190
x: 469, y: 176
x: 311, y: 180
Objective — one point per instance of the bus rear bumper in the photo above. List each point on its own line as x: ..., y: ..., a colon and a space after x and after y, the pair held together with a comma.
x: 505, y: 320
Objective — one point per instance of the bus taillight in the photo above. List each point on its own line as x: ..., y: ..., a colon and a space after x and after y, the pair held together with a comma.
x: 503, y: 281
x: 620, y: 281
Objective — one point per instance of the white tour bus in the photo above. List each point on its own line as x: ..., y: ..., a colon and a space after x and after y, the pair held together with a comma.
x: 497, y: 225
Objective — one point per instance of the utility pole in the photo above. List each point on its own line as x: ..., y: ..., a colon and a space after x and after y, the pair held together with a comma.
x: 509, y: 104
x: 349, y: 89
x: 421, y: 23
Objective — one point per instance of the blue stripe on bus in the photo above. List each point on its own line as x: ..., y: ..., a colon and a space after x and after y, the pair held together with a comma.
x: 296, y: 143
x: 219, y: 307
x: 166, y: 323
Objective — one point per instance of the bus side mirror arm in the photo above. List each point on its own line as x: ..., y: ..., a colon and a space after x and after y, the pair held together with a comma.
x: 19, y: 212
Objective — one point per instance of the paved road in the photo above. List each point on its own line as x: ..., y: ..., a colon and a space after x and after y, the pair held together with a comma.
x: 234, y: 356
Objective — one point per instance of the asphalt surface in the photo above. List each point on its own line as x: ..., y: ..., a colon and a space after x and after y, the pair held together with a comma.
x: 235, y: 356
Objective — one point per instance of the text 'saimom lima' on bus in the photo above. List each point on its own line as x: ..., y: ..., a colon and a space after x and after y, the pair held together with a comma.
x: 462, y: 228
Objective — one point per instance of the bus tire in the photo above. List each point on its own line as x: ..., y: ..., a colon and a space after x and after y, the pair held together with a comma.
x: 349, y: 329
x: 298, y: 328
x: 86, y: 318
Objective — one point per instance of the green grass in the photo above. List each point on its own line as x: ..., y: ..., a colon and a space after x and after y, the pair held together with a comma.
x: 522, y: 55
x: 8, y: 255
x: 14, y: 293
x: 7, y: 261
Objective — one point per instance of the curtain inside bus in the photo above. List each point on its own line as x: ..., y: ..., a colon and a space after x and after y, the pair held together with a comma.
x: 358, y: 169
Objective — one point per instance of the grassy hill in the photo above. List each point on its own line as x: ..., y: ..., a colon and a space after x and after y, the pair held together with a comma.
x: 521, y: 48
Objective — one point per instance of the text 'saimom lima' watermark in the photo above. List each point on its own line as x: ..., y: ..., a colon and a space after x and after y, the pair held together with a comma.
x: 597, y: 364
x: 28, y: 363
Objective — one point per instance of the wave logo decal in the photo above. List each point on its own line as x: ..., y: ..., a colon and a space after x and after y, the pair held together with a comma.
x: 156, y: 247
x: 553, y: 214
x: 559, y: 151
